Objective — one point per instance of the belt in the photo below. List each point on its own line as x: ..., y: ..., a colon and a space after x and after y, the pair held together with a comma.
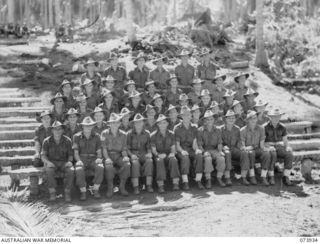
x: 88, y: 155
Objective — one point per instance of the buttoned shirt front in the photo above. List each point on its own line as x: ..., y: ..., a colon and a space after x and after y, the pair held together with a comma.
x: 209, y: 140
x: 160, y: 77
x: 61, y: 152
x: 162, y: 143
x: 138, y: 142
x: 185, y: 136
x: 114, y: 144
x: 185, y: 74
x: 275, y: 134
x: 231, y: 138
x: 140, y: 77
x: 252, y: 137
x: 86, y: 147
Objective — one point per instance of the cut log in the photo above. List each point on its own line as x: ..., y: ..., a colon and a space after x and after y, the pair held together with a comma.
x: 311, y: 144
x: 239, y: 65
x: 16, y: 143
x: 16, y: 135
x: 304, y: 136
x: 19, y: 126
x: 21, y: 111
x: 299, y: 126
x: 313, y: 155
x: 26, y: 151
x: 18, y: 160
x: 18, y: 101
x: 14, y: 120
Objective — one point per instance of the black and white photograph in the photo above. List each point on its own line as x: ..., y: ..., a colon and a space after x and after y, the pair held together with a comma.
x: 159, y: 118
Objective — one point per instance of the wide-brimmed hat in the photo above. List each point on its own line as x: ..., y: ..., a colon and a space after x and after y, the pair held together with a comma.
x: 128, y: 83
x: 205, y: 51
x: 57, y: 124
x: 221, y: 75
x: 135, y: 94
x: 72, y: 111
x: 106, y: 92
x: 208, y: 114
x: 161, y: 117
x: 163, y: 58
x: 250, y: 91
x: 138, y: 117
x: 98, y: 109
x: 230, y: 113
x: 125, y: 111
x: 260, y: 103
x: 148, y: 83
x: 81, y: 97
x: 58, y: 95
x: 87, y: 82
x: 246, y: 74
x: 205, y: 92
x: 156, y: 96
x: 196, y: 81
x: 250, y: 114
x: 140, y: 55
x: 171, y: 107
x: 235, y: 103
x: 114, y: 118
x: 108, y: 78
x: 172, y: 76
x: 229, y: 93
x: 214, y: 104
x: 184, y: 52
x: 44, y: 113
x: 195, y: 107
x: 65, y: 82
x: 113, y: 55
x: 184, y: 109
x: 275, y: 112
x: 91, y: 61
x: 148, y: 107
x: 183, y: 96
x: 88, y: 121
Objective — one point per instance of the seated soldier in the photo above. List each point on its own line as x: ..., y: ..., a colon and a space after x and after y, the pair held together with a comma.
x: 72, y: 126
x: 92, y: 73
x: 41, y: 133
x: 164, y: 150
x: 240, y: 80
x: 57, y: 157
x: 173, y: 120
x: 185, y: 71
x: 109, y: 84
x: 160, y: 75
x: 136, y: 105
x: 150, y: 124
x: 195, y: 93
x: 249, y: 100
x: 93, y: 97
x: 129, y: 88
x: 125, y: 125
x: 219, y: 90
x: 240, y: 115
x: 83, y: 109
x: 252, y: 138
x: 99, y: 116
x: 276, y: 137
x: 139, y: 150
x: 187, y: 148
x: 140, y: 74
x: 207, y: 69
x: 114, y: 148
x: 260, y: 108
x: 232, y: 147
x: 148, y: 95
x: 116, y: 71
x: 157, y: 101
x: 58, y: 110
x: 109, y: 104
x: 196, y: 114
x: 210, y: 143
x: 88, y: 157
x: 228, y: 100
x: 173, y: 92
x: 66, y: 90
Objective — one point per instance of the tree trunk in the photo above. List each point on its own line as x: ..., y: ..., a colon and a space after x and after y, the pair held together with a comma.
x: 131, y: 32
x: 81, y: 9
x: 10, y: 4
x: 50, y: 13
x: 45, y: 15
x: 251, y: 6
x: 261, y: 56
x: 26, y: 12
x: 57, y: 11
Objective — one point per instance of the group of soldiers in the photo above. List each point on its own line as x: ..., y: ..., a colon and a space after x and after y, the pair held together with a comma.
x: 151, y: 126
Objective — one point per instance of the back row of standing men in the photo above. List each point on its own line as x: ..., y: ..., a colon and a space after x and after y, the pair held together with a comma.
x: 159, y: 125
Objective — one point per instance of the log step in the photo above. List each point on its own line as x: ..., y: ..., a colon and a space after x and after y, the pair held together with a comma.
x: 16, y: 135
x: 15, y: 120
x: 4, y: 90
x: 313, y: 154
x: 304, y: 126
x: 21, y: 111
x: 304, y: 136
x: 12, y: 101
x: 18, y: 160
x: 11, y: 94
x: 11, y: 127
x: 25, y: 151
x: 311, y: 144
x: 19, y: 174
x: 16, y: 143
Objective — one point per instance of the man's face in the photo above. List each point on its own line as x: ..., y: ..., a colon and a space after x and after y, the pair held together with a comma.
x: 151, y: 113
x: 173, y: 114
x: 109, y: 84
x: 141, y: 62
x: 215, y: 110
x: 238, y: 109
x: 72, y: 118
x: 114, y: 61
x: 158, y: 102
x: 131, y: 88
x: 83, y: 103
x: 206, y: 57
x: 136, y: 99
x: 184, y: 59
x: 260, y: 109
x: 91, y: 67
x: 186, y: 116
x: 138, y: 125
x: 163, y: 125
x: 219, y: 82
x: 108, y: 98
x: 183, y: 102
x: 46, y: 120
x: 205, y: 99
x: 253, y: 121
x: 174, y: 82
x: 242, y: 80
x: 114, y: 125
x: 125, y: 119
x: 58, y: 102
x: 57, y: 132
x: 98, y: 117
x: 250, y: 98
x: 196, y: 114
x: 197, y: 86
x: 209, y: 121
x: 230, y: 120
x: 275, y: 119
x: 229, y: 100
x: 151, y: 88
x: 87, y: 129
x: 66, y: 89
x: 160, y: 64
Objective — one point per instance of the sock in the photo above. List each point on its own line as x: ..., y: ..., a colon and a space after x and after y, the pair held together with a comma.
x: 208, y: 176
x: 96, y: 187
x: 227, y: 174
x: 198, y: 176
x: 244, y: 173
x: 149, y: 180
x: 271, y: 173
x: 251, y: 173
x: 264, y: 173
x: 175, y: 181
x: 83, y: 189
x: 219, y: 175
x: 135, y: 182
x: 287, y: 172
x: 185, y: 178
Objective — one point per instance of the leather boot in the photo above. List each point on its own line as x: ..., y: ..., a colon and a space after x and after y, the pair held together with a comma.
x: 200, y: 186
x: 228, y: 182
x: 272, y: 181
x: 122, y: 188
x: 52, y: 196
x: 220, y: 182
x: 161, y: 189
x: 185, y: 186
x: 149, y: 189
x: 245, y: 182
x: 67, y: 196
x: 176, y: 187
x: 83, y: 196
x: 208, y: 184
x: 109, y: 190
x: 136, y: 190
x: 96, y: 194
x: 264, y: 181
x: 253, y: 180
x: 287, y: 181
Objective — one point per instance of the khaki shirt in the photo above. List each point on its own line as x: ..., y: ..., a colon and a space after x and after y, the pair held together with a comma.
x: 160, y: 77
x: 114, y: 144
x: 138, y: 143
x: 217, y: 95
x: 252, y: 137
x: 41, y: 133
x: 185, y: 136
x: 172, y: 98
x: 209, y: 140
x: 231, y: 138
x: 185, y: 74
x: 69, y: 133
x: 162, y: 143
x: 120, y: 74
x: 275, y: 134
x: 86, y: 147
x: 140, y: 77
x: 61, y: 152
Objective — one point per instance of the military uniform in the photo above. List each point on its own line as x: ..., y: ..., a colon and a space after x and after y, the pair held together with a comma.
x: 207, y: 73
x: 217, y: 95
x: 41, y: 133
x: 112, y: 108
x: 172, y: 124
x: 150, y: 127
x: 240, y: 120
x: 140, y: 77
x: 147, y: 98
x: 96, y: 78
x: 240, y: 93
x: 98, y: 130
x: 58, y: 117
x: 139, y: 109
x: 194, y: 97
x: 160, y: 77
x: 171, y: 97
x: 70, y: 132
x: 119, y: 74
x: 185, y: 76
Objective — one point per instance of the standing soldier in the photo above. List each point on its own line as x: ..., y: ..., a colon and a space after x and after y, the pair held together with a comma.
x: 93, y: 97
x: 173, y: 92
x: 184, y: 100
x: 110, y: 104
x: 92, y: 74
x: 83, y: 109
x: 114, y: 148
x: 72, y: 126
x: 240, y: 115
x: 232, y: 146
x: 66, y: 90
x: 187, y: 148
x: 125, y: 115
x: 210, y: 143
x: 206, y: 70
x: 58, y: 110
x: 241, y: 89
x: 136, y: 105
x: 99, y: 117
x: 196, y: 114
x: 88, y: 157
x: 228, y: 100
x: 260, y: 108
x: 185, y: 71
x: 116, y: 71
x: 219, y: 90
x: 41, y: 133
x: 160, y: 75
x: 252, y: 139
x: 276, y: 137
x: 164, y: 150
x: 148, y: 95
x: 173, y: 117
x: 129, y: 88
x: 139, y: 150
x: 150, y: 124
x: 109, y: 84
x: 249, y: 100
x: 57, y: 157
x: 195, y: 94
x: 157, y: 101
x: 205, y: 102
x: 140, y: 74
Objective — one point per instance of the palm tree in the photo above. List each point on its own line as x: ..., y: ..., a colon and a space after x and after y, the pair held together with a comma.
x: 261, y: 56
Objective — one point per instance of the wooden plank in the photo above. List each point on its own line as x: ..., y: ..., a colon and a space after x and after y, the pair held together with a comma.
x: 16, y: 143
x: 300, y: 125
x: 16, y: 120
x: 300, y: 155
x: 17, y: 135
x: 310, y: 144
x: 304, y: 136
x: 19, y: 160
x: 20, y: 174
x: 25, y: 151
x: 20, y: 126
